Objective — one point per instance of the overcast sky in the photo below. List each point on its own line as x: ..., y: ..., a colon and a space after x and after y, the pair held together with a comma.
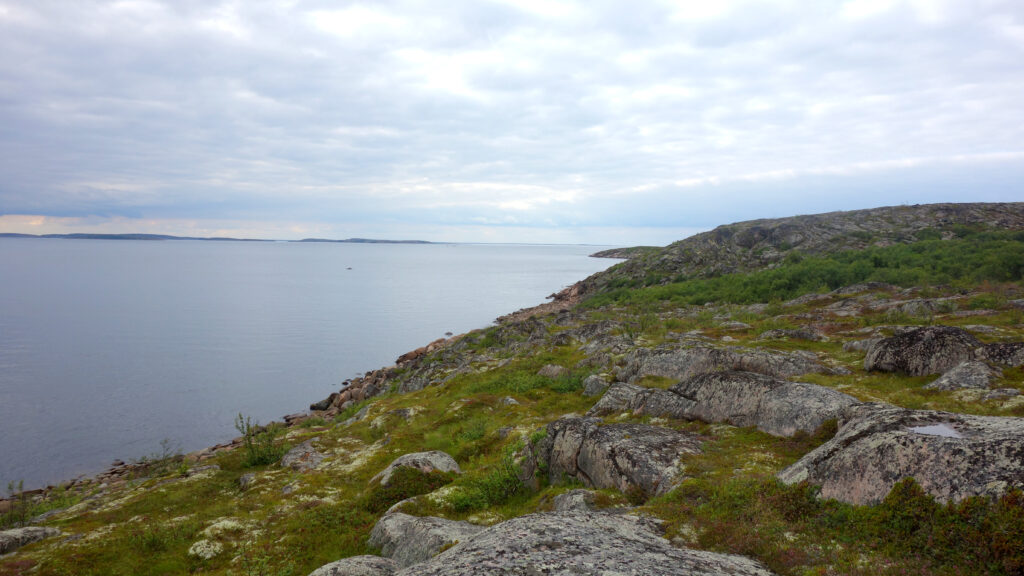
x: 518, y: 120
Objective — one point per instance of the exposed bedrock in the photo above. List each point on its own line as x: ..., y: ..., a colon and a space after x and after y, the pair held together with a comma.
x: 775, y: 406
x: 1005, y: 353
x: 627, y: 457
x: 683, y: 363
x: 11, y: 540
x: 358, y: 566
x: 578, y: 544
x: 971, y: 374
x: 927, y: 350
x: 412, y: 539
x: 952, y: 456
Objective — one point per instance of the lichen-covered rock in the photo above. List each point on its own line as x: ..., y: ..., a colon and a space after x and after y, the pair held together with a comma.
x: 578, y: 500
x: 864, y: 345
x: 1004, y: 353
x: 594, y: 385
x: 579, y: 544
x: 627, y: 457
x: 952, y: 456
x: 734, y: 325
x: 426, y: 462
x: 551, y: 371
x: 686, y: 362
x: 303, y: 457
x: 412, y: 539
x: 358, y: 566
x: 971, y: 374
x: 11, y: 540
x: 796, y: 334
x: 625, y: 397
x: 774, y: 406
x: 927, y: 350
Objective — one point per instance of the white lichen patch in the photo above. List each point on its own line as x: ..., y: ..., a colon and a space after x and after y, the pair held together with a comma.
x: 486, y: 518
x: 348, y: 461
x: 1015, y: 402
x: 969, y: 395
x: 205, y: 549
x: 224, y: 525
x: 686, y: 536
x: 98, y: 533
x: 440, y: 496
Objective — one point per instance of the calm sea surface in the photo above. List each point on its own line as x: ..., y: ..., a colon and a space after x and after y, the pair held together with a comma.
x: 109, y: 347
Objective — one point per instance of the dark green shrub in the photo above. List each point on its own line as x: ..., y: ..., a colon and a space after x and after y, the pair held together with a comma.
x: 405, y: 482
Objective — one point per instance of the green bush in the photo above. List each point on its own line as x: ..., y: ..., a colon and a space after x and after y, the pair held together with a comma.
x: 405, y: 482
x: 498, y: 486
x: 258, y: 441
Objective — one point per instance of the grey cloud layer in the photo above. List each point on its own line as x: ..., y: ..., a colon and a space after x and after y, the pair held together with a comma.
x: 526, y: 113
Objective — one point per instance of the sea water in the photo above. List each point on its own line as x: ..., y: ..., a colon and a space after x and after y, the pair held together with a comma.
x: 110, y: 347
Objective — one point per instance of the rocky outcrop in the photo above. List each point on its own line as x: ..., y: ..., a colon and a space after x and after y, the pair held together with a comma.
x: 864, y: 345
x: 412, y: 539
x: 551, y: 371
x: 774, y: 406
x: 303, y: 457
x: 11, y: 540
x: 1004, y: 353
x: 625, y: 397
x: 627, y: 457
x: 579, y: 544
x: 426, y: 462
x: 927, y: 350
x: 683, y: 363
x: 970, y: 374
x: 795, y: 334
x: 594, y: 385
x: 574, y: 501
x: 358, y: 566
x: 952, y: 456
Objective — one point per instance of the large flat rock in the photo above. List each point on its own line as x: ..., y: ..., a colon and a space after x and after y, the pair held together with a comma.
x: 773, y: 405
x: 952, y: 456
x: 578, y: 544
x: 681, y: 363
x: 411, y: 539
x: 621, y: 456
x: 358, y: 566
x: 11, y: 540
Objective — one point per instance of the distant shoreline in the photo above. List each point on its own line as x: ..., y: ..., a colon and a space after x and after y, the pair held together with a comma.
x: 81, y: 236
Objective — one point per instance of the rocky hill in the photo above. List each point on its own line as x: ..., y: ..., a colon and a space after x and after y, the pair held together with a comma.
x: 757, y: 244
x: 680, y: 427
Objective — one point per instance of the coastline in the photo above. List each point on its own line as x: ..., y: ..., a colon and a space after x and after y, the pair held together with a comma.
x: 353, y: 390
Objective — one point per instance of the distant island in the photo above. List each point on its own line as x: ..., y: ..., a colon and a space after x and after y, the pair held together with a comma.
x: 218, y: 239
x: 365, y: 241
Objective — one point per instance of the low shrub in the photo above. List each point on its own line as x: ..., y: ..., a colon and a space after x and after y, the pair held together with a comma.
x: 405, y: 482
x: 258, y: 442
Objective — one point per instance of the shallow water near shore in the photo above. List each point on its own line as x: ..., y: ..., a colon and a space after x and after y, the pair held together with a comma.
x: 108, y: 348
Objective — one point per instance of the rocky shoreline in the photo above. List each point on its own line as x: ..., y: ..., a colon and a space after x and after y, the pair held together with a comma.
x: 750, y: 439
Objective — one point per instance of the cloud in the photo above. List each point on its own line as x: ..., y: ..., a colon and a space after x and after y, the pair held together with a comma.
x: 540, y: 115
